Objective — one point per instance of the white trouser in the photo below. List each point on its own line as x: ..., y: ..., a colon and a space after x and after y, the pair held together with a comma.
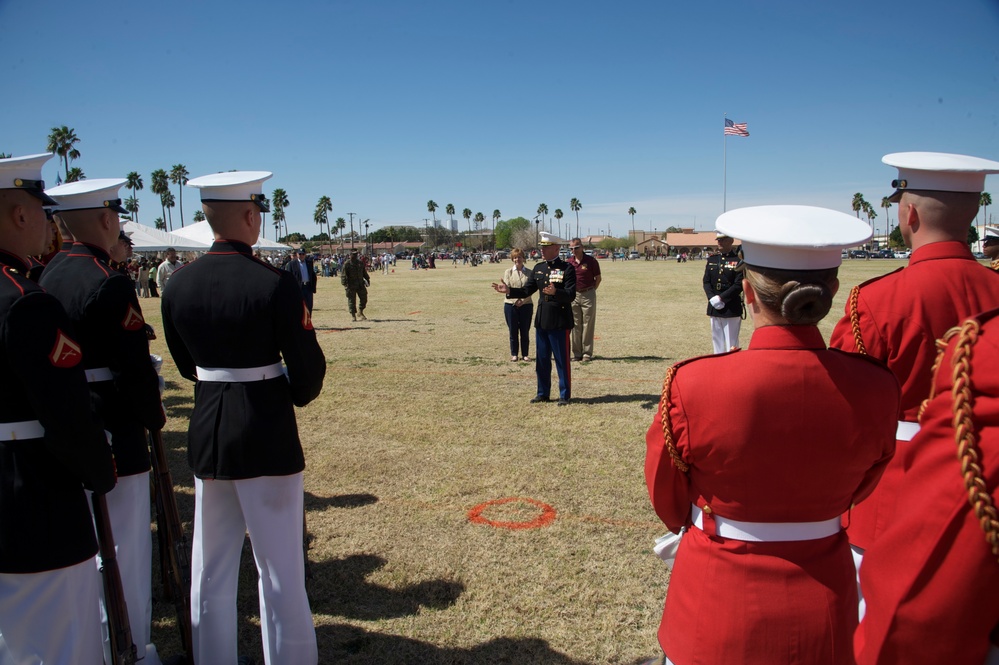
x: 724, y: 332
x: 51, y: 617
x: 270, y: 508
x: 858, y: 558
x: 128, y: 509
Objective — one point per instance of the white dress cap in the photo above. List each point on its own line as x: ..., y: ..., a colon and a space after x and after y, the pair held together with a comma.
x: 26, y: 173
x: 550, y: 239
x: 991, y: 232
x: 938, y: 171
x: 793, y: 237
x: 88, y: 194
x: 233, y: 186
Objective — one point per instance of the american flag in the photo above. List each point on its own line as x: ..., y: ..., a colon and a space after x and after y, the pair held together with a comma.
x: 735, y: 128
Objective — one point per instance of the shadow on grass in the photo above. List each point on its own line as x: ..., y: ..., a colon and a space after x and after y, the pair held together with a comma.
x: 339, y: 587
x: 628, y: 359
x: 647, y: 401
x: 354, y: 646
x: 315, y: 502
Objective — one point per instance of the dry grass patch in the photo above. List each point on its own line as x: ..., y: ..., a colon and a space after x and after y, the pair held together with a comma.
x: 423, y: 418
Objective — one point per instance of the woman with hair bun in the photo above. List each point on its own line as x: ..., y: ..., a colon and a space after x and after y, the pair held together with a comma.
x: 757, y: 453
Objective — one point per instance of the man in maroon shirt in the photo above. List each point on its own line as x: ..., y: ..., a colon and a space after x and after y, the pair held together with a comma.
x: 584, y: 306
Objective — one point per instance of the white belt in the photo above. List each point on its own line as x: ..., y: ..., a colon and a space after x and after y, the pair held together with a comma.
x: 26, y: 429
x: 906, y: 430
x: 768, y: 532
x: 98, y: 374
x: 239, y: 374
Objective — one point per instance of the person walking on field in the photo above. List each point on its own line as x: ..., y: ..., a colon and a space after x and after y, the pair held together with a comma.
x: 584, y: 306
x: 355, y: 280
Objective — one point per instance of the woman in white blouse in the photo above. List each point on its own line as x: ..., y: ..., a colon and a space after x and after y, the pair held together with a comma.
x: 518, y: 311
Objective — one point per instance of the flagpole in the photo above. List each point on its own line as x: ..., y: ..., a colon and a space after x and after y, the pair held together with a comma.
x: 724, y: 164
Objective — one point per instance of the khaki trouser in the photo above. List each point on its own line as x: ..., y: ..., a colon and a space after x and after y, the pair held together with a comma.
x: 584, y: 317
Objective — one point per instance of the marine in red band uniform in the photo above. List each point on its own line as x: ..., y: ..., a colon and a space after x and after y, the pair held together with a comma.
x: 897, y: 318
x: 766, y: 448
x: 51, y: 447
x: 107, y: 321
x: 555, y: 279
x: 229, y: 320
x: 932, y: 578
x: 990, y: 246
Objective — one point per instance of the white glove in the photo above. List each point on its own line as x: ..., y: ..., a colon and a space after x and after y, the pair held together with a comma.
x: 717, y: 302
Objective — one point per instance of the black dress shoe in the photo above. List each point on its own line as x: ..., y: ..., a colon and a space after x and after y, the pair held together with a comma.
x: 539, y: 398
x: 563, y: 402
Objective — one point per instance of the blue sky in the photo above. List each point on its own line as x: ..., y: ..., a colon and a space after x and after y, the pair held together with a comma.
x: 384, y: 105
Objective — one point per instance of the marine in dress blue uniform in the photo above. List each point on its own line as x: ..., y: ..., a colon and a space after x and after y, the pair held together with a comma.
x: 723, y: 288
x: 51, y: 448
x: 229, y: 321
x: 555, y: 279
x: 107, y: 320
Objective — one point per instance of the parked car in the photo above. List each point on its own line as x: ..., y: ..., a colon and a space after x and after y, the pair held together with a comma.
x: 903, y: 255
x: 633, y: 255
x: 858, y: 254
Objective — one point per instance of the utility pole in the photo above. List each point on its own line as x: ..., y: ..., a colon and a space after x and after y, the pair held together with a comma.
x: 351, y: 231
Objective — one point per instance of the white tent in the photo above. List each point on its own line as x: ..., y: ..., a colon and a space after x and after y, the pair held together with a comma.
x: 202, y: 232
x: 148, y: 239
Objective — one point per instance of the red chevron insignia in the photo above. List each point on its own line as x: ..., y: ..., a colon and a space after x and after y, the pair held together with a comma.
x: 133, y: 319
x: 65, y: 352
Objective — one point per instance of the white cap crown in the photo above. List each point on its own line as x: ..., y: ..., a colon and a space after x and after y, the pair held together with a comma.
x: 793, y: 237
x: 25, y: 173
x: 88, y: 194
x: 233, y: 186
x: 938, y: 171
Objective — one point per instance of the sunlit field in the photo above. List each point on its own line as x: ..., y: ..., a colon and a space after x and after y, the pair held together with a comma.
x: 423, y: 421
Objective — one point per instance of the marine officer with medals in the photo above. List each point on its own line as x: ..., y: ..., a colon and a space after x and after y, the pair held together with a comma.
x: 52, y: 446
x: 555, y: 279
x: 723, y: 288
x: 230, y: 320
x: 897, y: 318
x: 105, y: 314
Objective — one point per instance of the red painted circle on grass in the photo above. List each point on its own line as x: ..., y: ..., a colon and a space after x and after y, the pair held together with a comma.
x: 546, y: 517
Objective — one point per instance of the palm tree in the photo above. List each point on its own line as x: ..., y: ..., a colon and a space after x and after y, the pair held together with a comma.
x: 479, y: 218
x: 75, y: 174
x: 985, y: 200
x: 279, y: 199
x: 5, y: 155
x: 449, y: 209
x: 168, y: 202
x: 496, y: 217
x: 133, y: 181
x: 160, y: 186
x: 321, y: 216
x: 467, y: 214
x: 558, y: 215
x: 199, y: 216
x: 341, y: 224
x: 132, y: 205
x: 576, y: 206
x: 885, y: 203
x: 858, y: 203
x: 160, y: 224
x: 543, y: 210
x: 61, y: 142
x: 178, y: 176
x: 432, y: 209
x: 634, y: 236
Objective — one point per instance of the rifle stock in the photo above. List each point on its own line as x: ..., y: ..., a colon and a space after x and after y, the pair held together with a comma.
x: 122, y: 649
x: 174, y: 564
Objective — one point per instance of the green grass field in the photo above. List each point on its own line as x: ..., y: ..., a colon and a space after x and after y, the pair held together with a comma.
x: 423, y: 419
